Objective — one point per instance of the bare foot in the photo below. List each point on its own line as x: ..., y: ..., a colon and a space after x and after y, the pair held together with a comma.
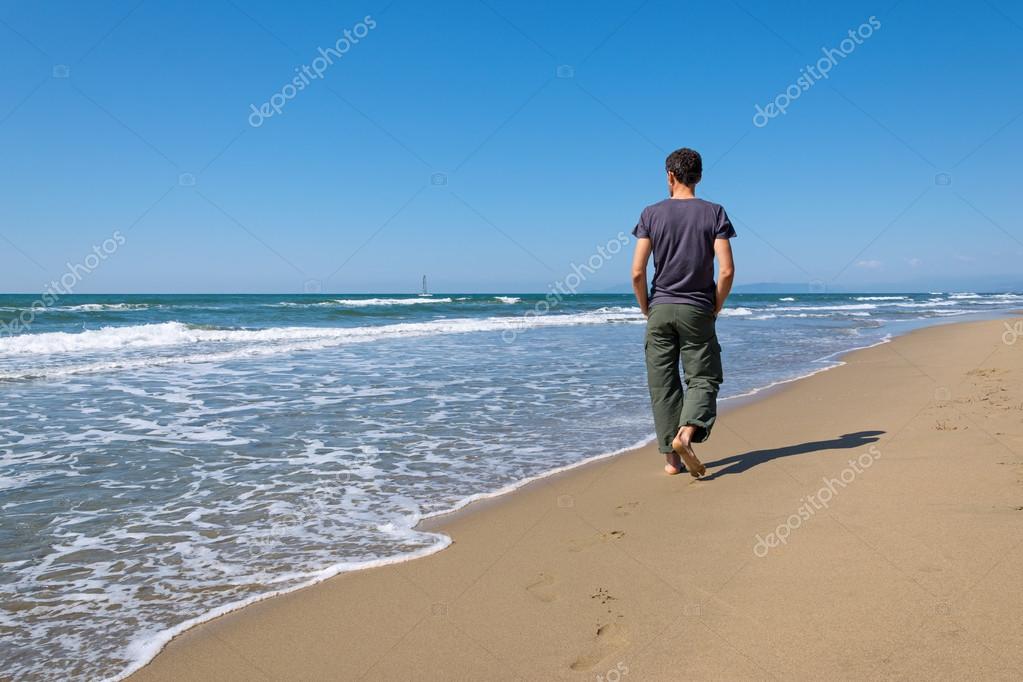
x: 683, y: 446
x: 674, y: 463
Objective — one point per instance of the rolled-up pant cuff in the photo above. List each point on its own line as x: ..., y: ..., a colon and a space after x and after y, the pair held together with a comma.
x: 702, y: 428
x: 702, y: 434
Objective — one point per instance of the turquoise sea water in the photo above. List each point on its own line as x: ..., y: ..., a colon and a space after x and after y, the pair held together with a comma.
x: 163, y: 457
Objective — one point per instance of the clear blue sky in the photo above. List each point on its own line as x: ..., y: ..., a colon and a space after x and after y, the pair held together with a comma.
x: 539, y: 170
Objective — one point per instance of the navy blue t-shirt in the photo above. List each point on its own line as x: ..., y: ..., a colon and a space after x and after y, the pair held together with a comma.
x: 682, y: 232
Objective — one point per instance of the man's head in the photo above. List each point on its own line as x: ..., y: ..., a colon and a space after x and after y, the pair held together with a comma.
x: 684, y: 166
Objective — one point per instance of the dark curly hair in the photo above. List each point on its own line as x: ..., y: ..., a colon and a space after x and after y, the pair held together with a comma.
x: 686, y: 165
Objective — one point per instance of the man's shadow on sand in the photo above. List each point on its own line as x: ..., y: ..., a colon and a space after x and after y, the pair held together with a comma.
x: 748, y: 460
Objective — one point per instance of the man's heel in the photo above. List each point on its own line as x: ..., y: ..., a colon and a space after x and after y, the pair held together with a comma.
x: 693, y: 464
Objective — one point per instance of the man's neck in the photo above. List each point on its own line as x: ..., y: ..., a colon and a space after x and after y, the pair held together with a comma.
x: 683, y: 192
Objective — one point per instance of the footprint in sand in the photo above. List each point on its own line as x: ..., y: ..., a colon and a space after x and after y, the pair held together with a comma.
x: 543, y: 588
x: 580, y: 545
x: 611, y: 638
x: 626, y: 509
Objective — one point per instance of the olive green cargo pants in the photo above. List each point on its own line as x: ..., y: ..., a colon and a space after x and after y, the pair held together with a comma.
x: 677, y: 331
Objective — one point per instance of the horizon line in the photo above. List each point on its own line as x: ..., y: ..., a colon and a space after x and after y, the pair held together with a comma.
x: 504, y: 293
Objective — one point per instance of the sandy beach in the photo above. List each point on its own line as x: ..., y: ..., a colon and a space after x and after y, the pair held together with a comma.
x: 862, y: 523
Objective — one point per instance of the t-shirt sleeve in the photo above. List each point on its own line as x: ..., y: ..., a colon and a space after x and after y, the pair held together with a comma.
x: 723, y: 229
x: 642, y: 229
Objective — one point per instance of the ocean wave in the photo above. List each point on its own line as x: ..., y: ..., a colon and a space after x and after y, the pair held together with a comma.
x: 363, y: 302
x: 508, y: 299
x: 852, y: 309
x: 81, y: 307
x: 964, y: 295
x: 170, y: 334
x: 881, y: 298
x: 358, y: 302
x: 109, y: 338
x: 840, y: 307
x: 927, y: 304
x: 823, y: 316
x: 92, y: 307
x: 787, y: 298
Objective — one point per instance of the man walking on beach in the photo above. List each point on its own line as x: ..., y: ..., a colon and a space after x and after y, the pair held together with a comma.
x: 684, y: 234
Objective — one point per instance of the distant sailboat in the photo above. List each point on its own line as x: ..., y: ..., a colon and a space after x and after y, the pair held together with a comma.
x: 425, y: 292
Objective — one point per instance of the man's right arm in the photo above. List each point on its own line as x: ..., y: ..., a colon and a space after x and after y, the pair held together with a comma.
x: 639, y: 260
x: 726, y: 272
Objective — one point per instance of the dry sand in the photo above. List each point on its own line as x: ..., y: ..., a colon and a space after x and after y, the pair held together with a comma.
x: 616, y: 571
